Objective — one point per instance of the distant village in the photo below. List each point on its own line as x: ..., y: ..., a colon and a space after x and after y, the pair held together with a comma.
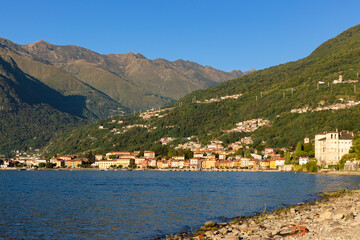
x: 329, y: 147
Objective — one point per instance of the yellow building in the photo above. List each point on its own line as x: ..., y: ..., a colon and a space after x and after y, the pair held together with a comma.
x: 273, y: 164
x: 265, y: 165
x: 209, y: 163
x: 59, y: 163
x: 125, y: 162
x: 254, y: 164
x: 105, y: 164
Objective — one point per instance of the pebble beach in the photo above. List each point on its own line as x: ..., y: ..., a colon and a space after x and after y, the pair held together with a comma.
x: 335, y: 216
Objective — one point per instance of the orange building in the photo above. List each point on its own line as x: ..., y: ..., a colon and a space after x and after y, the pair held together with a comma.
x: 74, y: 163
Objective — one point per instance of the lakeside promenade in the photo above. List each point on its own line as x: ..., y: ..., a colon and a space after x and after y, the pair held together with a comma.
x: 335, y: 216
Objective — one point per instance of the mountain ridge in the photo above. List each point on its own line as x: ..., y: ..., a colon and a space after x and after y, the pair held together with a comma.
x: 128, y: 77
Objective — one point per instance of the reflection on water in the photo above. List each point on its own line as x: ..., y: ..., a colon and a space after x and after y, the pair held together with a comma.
x: 143, y: 205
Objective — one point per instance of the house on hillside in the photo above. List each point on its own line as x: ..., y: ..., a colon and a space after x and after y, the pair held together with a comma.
x: 149, y: 154
x: 303, y: 160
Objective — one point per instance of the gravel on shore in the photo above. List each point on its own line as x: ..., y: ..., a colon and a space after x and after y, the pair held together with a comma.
x: 335, y: 216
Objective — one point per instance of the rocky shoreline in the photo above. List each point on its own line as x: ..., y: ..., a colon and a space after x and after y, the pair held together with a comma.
x: 335, y: 216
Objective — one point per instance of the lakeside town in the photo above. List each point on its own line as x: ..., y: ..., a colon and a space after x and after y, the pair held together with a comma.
x: 325, y: 151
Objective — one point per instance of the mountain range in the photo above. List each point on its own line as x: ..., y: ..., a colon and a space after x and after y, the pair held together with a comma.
x: 45, y: 88
x: 275, y: 94
x: 130, y: 79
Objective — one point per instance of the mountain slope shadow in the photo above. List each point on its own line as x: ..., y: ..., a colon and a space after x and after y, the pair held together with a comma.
x: 24, y: 88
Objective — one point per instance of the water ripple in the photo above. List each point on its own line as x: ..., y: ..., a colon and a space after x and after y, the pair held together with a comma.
x: 143, y: 205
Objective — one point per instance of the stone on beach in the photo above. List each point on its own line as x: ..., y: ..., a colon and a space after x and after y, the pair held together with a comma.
x: 243, y: 227
x: 209, y: 224
x: 325, y: 215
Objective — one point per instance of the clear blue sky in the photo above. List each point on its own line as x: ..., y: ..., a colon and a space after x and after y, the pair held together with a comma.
x: 223, y: 34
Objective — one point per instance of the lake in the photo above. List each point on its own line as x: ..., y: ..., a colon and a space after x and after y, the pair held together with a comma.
x: 143, y: 204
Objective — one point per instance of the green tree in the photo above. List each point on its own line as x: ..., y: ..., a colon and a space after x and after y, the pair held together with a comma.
x: 132, y: 166
x: 299, y: 150
x: 42, y: 165
x: 311, y: 166
x: 49, y: 165
x: 287, y: 157
x: 309, y: 149
x: 356, y: 147
x: 90, y: 156
x: 141, y: 152
x: 299, y: 147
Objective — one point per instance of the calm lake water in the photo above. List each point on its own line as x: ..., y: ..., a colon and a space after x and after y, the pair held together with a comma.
x: 143, y: 205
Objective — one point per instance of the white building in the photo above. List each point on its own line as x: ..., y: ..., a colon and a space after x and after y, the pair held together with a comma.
x: 303, y: 160
x: 149, y: 154
x: 244, y: 162
x: 280, y: 162
x: 153, y: 162
x: 195, y: 162
x: 256, y: 156
x: 331, y: 146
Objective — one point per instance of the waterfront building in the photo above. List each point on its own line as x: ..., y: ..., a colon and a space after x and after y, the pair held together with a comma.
x: 105, y: 164
x: 174, y: 163
x: 351, y: 166
x: 144, y: 163
x: 153, y: 162
x: 273, y: 163
x: 59, y: 163
x: 254, y: 164
x: 75, y: 163
x: 235, y: 163
x: 125, y: 162
x: 264, y: 164
x: 331, y: 146
x: 195, y: 162
x: 181, y: 163
x: 209, y: 163
x: 223, y: 164
x: 244, y: 162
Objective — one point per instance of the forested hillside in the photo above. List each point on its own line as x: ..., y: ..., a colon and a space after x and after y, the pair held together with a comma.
x: 269, y: 94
